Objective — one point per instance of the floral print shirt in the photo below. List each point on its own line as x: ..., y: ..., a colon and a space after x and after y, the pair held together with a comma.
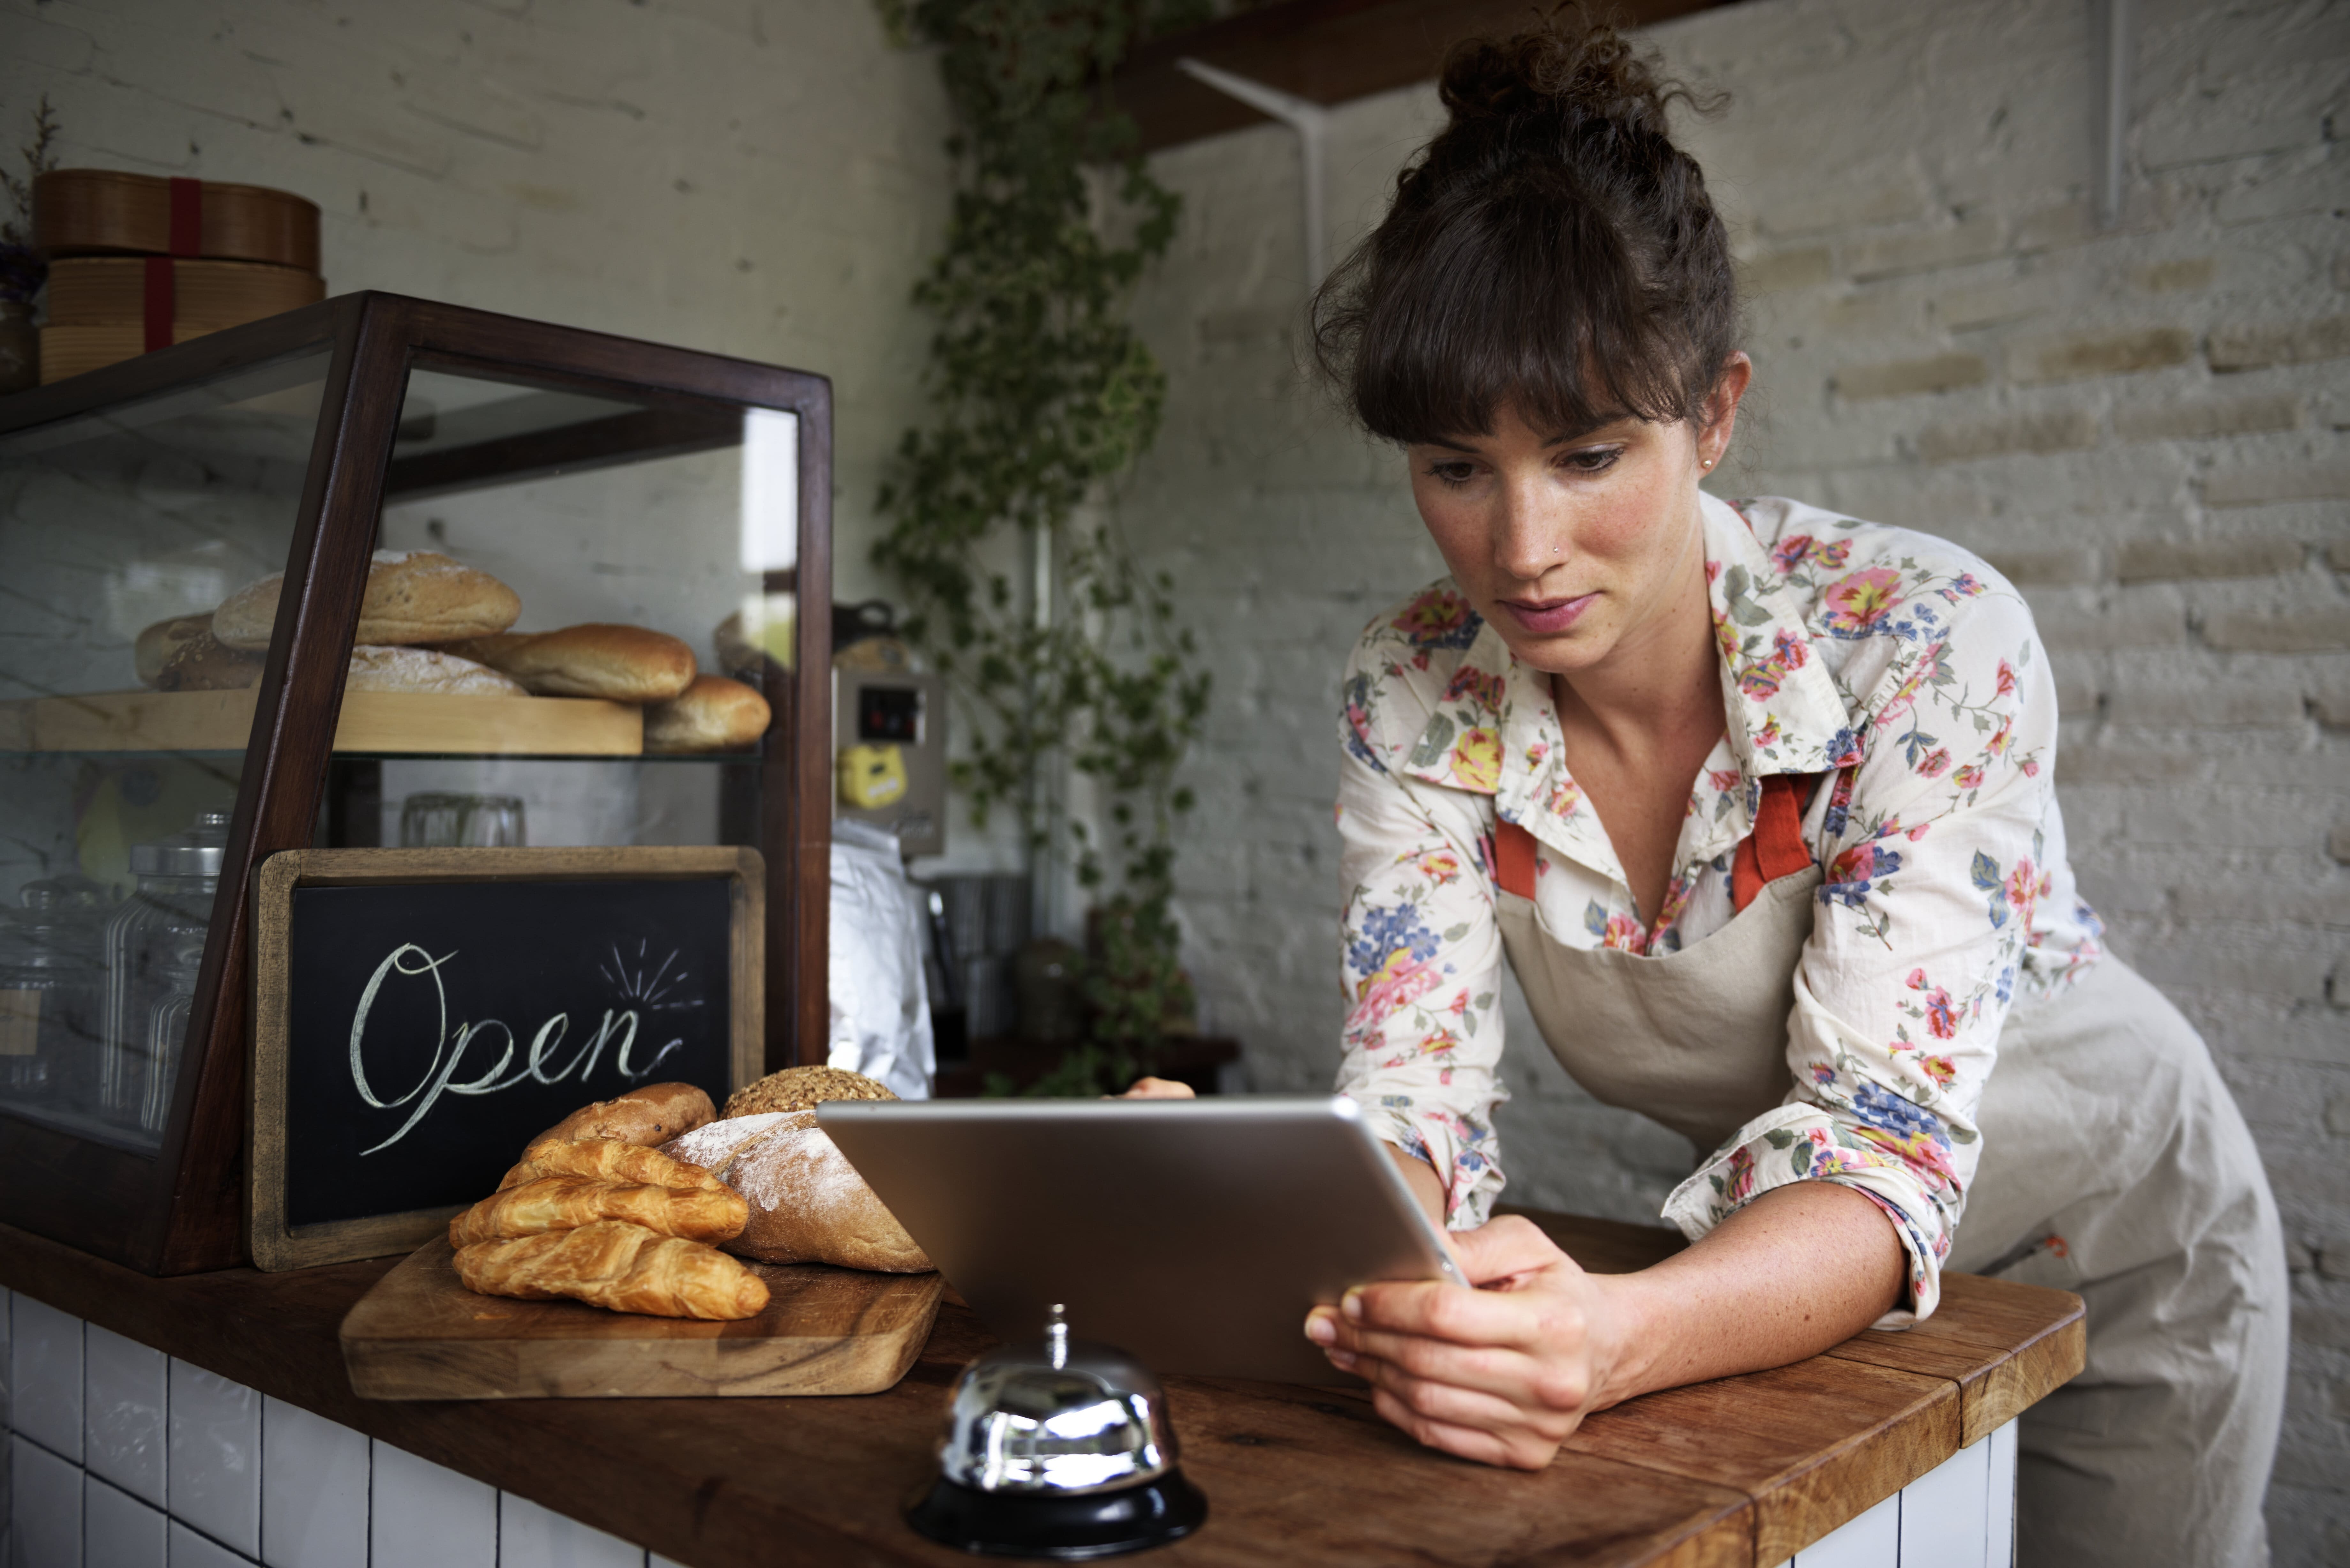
x: 1896, y: 664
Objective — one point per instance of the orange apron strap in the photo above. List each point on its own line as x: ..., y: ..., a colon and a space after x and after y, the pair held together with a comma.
x: 1514, y: 859
x: 1776, y: 848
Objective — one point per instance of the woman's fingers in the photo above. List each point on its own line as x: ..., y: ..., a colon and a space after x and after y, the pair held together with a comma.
x: 1507, y: 1247
x: 1157, y: 1089
x: 1512, y: 1450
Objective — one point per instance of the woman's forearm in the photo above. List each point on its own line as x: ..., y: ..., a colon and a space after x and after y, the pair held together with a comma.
x: 1802, y: 1268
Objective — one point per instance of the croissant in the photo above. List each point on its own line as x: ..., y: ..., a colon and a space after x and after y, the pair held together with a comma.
x: 617, y: 1162
x: 565, y: 1202
x: 614, y: 1264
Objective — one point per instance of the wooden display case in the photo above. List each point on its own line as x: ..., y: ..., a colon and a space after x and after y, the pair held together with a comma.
x: 605, y: 479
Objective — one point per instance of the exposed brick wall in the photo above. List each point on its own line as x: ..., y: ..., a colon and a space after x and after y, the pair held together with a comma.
x: 756, y: 177
x: 2142, y: 427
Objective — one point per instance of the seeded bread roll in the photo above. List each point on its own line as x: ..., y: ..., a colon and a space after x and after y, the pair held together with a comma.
x: 804, y: 1089
x: 158, y: 642
x: 807, y: 1204
x: 713, y: 714
x: 619, y: 663
x: 412, y: 596
x: 425, y: 669
x: 182, y: 655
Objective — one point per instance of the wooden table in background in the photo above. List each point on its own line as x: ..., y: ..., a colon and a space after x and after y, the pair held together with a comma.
x: 1741, y: 1471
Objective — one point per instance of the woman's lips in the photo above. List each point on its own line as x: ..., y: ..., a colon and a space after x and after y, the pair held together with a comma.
x: 1547, y: 618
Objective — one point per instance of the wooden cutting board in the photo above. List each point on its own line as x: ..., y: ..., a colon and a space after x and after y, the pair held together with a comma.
x: 420, y: 1334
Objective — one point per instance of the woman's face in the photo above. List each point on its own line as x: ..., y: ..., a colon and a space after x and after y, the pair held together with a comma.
x: 1574, y: 547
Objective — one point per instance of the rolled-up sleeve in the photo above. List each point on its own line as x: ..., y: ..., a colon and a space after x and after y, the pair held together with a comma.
x: 1420, y: 960
x: 1934, y: 849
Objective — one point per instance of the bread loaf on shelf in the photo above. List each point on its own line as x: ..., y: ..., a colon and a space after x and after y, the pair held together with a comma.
x: 713, y: 714
x: 182, y: 655
x: 412, y: 596
x: 614, y: 1264
x: 619, y: 663
x: 424, y: 670
x: 567, y: 1203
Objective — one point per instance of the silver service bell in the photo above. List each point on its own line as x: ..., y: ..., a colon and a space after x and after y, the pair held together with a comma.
x: 1060, y: 1451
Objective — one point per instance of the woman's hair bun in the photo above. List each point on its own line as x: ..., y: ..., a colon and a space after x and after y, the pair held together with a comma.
x: 1551, y: 249
x: 1569, y: 68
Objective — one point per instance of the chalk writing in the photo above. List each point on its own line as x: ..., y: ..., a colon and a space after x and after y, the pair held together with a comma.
x: 618, y: 1029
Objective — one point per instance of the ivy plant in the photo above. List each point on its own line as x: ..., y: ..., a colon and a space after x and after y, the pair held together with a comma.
x: 1041, y: 400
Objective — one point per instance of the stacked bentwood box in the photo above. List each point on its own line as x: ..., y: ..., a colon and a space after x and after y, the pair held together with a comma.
x: 139, y: 263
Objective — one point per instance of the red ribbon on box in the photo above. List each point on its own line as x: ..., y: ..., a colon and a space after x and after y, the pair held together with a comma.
x: 161, y: 304
x: 187, y: 217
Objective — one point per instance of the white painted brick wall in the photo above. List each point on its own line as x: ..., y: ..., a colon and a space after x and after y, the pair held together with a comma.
x: 754, y: 177
x: 2143, y: 427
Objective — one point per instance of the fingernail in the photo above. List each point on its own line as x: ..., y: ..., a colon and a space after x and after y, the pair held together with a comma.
x: 1351, y: 1303
x: 1344, y: 1360
x: 1320, y: 1329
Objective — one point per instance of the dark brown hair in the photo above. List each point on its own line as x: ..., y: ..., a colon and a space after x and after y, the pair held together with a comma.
x: 1550, y: 248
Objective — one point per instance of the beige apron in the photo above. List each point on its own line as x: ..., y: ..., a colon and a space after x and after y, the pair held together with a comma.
x: 2115, y: 1164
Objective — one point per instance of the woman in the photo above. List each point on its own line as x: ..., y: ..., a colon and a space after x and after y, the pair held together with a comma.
x: 1758, y: 802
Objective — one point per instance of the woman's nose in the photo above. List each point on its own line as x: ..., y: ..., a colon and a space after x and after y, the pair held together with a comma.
x: 1529, y: 536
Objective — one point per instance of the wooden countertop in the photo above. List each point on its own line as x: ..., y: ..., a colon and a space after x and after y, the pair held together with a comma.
x: 1743, y: 1471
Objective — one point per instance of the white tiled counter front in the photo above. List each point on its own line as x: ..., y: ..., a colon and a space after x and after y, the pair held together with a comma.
x: 119, y: 1456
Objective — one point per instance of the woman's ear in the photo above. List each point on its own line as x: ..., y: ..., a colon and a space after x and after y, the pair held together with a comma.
x: 1722, y: 409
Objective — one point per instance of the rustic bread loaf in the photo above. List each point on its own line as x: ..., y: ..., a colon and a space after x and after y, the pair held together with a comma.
x: 652, y: 1115
x: 615, y: 1264
x: 424, y: 670
x: 619, y: 663
x: 412, y: 596
x: 807, y: 1204
x: 713, y: 714
x: 804, y: 1089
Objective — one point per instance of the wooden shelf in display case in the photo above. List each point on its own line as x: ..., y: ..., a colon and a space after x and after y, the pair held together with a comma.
x: 378, y: 722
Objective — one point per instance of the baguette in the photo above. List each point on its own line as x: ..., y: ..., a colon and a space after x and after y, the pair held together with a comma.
x: 713, y: 714
x: 650, y: 1116
x: 619, y: 663
x: 617, y: 1265
x: 567, y: 1203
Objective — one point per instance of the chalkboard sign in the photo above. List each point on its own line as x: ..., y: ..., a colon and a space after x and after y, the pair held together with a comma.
x: 421, y: 1014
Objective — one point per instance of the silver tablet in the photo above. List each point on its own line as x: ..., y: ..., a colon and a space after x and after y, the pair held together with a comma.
x: 1195, y: 1234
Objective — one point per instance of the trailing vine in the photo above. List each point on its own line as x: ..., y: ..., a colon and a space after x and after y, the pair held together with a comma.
x: 1042, y: 397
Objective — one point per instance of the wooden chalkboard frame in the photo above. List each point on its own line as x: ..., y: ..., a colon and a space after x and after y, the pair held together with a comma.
x: 275, y: 1245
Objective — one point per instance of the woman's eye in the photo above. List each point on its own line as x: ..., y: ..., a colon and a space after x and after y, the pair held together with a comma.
x: 1593, y: 460
x: 1452, y: 473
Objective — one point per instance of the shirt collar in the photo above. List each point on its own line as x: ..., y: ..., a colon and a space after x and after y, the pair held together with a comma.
x: 1495, y: 732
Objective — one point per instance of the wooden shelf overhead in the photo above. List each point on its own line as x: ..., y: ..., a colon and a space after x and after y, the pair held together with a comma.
x: 1325, y: 51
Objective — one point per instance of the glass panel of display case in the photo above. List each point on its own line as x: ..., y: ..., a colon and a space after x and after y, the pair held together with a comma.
x: 123, y: 724
x: 647, y: 533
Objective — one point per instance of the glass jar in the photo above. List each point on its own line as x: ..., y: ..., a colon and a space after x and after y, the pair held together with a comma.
x: 52, y: 992
x: 154, y: 943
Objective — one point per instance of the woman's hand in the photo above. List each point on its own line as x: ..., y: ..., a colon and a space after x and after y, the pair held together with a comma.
x: 1502, y: 1374
x: 1157, y: 1089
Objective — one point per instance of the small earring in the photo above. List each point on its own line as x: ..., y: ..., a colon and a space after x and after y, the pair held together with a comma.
x: 1709, y: 463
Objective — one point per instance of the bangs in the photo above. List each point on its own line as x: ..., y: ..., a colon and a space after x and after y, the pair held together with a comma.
x: 1514, y: 298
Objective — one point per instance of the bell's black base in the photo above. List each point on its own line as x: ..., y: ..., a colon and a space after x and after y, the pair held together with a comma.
x: 1070, y: 1529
